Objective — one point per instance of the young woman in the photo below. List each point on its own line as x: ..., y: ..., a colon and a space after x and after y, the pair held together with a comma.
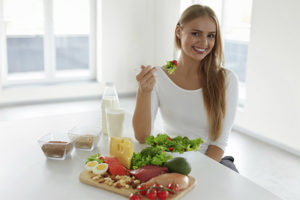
x: 200, y: 98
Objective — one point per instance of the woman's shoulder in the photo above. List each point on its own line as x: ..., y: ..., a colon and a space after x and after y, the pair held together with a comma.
x: 231, y: 76
x: 231, y: 79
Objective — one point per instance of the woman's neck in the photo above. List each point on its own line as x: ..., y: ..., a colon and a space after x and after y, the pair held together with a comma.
x: 187, y: 67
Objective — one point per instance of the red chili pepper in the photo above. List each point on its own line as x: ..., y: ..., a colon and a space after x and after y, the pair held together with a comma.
x: 169, y: 138
x: 171, y: 149
x: 175, y: 62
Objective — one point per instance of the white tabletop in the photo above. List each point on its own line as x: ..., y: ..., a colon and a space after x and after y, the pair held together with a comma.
x: 27, y: 174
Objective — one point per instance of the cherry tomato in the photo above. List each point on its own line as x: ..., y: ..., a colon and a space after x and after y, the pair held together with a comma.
x: 175, y: 62
x: 163, y: 194
x: 174, y: 187
x: 171, y: 148
x: 141, y: 188
x: 151, y: 194
x: 157, y: 187
x: 135, y: 197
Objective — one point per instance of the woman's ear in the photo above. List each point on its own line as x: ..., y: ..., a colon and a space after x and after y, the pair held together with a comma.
x: 178, y: 31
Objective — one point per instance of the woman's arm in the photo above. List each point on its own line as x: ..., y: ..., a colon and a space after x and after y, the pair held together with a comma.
x: 141, y: 120
x: 214, y: 152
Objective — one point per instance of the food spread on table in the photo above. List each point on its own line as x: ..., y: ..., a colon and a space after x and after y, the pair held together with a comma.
x: 151, y: 173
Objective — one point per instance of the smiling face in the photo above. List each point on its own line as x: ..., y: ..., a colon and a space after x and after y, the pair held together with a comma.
x: 197, y: 37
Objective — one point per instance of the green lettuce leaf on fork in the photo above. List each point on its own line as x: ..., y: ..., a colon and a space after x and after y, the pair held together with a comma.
x: 171, y: 66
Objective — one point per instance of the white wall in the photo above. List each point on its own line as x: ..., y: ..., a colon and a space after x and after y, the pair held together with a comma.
x: 136, y: 32
x: 272, y: 107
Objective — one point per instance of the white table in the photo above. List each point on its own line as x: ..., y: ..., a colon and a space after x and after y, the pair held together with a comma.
x: 27, y: 174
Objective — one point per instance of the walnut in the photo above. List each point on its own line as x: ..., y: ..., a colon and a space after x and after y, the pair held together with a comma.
x: 101, y: 180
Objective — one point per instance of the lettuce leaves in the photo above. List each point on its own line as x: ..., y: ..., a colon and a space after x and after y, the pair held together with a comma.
x: 159, y: 145
x: 150, y: 156
x: 95, y: 158
x: 177, y: 144
x: 170, y: 66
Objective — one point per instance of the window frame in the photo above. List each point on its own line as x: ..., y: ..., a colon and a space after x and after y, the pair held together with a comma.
x: 49, y: 75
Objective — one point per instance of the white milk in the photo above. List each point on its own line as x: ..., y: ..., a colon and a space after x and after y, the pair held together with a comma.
x: 115, y: 121
x: 108, y: 102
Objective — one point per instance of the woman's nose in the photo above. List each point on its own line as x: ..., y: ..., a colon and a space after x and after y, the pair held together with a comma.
x: 203, y: 40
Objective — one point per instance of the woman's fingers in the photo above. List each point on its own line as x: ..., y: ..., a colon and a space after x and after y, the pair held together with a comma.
x: 146, y: 78
x: 144, y: 71
x: 148, y: 75
x: 148, y: 84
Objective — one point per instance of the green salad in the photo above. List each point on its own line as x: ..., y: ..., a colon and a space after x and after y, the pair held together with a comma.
x: 171, y: 66
x: 177, y: 144
x: 150, y: 156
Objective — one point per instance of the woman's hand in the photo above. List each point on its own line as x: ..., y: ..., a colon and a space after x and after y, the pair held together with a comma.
x: 146, y: 79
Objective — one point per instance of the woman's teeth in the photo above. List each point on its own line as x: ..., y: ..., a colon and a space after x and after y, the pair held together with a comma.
x: 200, y: 50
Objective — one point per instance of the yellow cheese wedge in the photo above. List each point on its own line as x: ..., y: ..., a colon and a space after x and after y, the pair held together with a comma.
x: 122, y: 148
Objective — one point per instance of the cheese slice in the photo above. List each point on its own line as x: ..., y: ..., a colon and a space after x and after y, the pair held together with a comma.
x: 122, y: 148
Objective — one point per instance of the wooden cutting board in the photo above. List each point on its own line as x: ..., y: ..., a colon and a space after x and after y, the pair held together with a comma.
x: 85, y: 177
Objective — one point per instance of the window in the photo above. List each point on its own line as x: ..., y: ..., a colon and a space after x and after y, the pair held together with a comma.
x: 235, y: 20
x: 47, y: 41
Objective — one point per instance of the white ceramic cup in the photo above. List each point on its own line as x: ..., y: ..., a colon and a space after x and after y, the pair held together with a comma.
x: 115, y: 118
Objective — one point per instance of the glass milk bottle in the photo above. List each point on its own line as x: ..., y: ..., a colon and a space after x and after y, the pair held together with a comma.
x: 109, y: 100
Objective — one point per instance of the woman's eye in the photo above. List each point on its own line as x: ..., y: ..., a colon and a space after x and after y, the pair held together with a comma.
x: 211, y: 36
x: 195, y: 34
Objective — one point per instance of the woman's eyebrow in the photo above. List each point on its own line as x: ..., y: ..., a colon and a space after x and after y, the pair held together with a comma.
x: 202, y: 31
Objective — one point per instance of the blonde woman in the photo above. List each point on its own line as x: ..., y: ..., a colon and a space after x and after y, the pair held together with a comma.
x: 200, y: 98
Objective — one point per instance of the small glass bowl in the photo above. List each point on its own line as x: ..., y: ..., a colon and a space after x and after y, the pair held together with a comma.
x: 56, y: 146
x: 85, y: 138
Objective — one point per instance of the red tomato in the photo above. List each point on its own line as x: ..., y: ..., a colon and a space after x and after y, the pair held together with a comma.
x: 142, y: 187
x: 151, y: 194
x: 102, y: 158
x: 135, y: 197
x: 174, y: 187
x: 171, y: 148
x: 175, y: 62
x: 163, y: 194
x: 157, y: 187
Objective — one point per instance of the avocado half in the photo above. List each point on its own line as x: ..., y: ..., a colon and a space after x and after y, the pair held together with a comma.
x: 179, y: 165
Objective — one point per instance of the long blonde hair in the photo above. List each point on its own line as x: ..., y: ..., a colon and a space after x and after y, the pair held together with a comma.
x: 212, y: 71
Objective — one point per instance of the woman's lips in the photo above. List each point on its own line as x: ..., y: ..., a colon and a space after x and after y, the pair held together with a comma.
x: 199, y: 50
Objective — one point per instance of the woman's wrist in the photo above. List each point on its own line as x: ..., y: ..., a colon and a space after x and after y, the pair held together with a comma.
x: 144, y: 94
